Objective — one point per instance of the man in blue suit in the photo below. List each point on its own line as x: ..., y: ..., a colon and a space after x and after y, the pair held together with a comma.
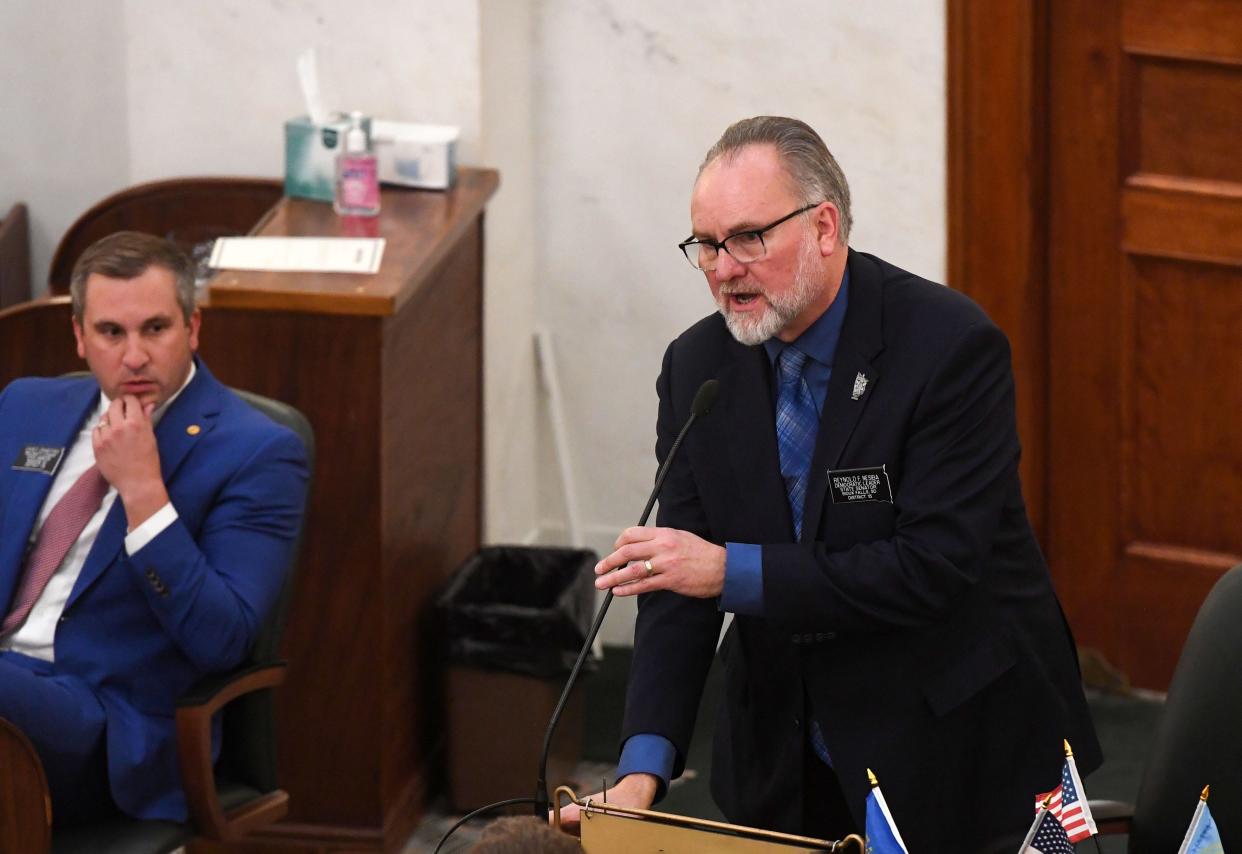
x: 853, y: 501
x: 147, y: 515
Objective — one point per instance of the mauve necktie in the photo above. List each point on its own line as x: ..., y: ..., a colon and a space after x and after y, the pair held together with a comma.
x: 60, y: 531
x: 797, y: 424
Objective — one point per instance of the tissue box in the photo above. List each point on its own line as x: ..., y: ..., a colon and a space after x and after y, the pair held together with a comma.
x: 415, y: 155
x: 310, y: 156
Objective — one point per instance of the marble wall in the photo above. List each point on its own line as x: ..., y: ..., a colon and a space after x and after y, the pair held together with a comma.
x: 630, y: 96
x: 597, y: 113
x: 66, y: 139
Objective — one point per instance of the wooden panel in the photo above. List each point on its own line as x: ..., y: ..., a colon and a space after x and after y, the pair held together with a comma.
x: 14, y: 257
x: 1178, y: 219
x: 1187, y: 395
x: 432, y: 499
x: 996, y: 196
x: 1184, y: 118
x: 331, y: 638
x: 25, y: 804
x: 186, y: 210
x: 36, y: 339
x: 1202, y: 28
x: 1159, y: 592
x: 1085, y: 324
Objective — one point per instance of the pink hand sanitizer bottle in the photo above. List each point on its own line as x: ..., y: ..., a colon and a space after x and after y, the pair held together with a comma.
x: 357, y: 174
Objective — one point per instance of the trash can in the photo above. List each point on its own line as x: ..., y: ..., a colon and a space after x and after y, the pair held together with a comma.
x: 514, y: 619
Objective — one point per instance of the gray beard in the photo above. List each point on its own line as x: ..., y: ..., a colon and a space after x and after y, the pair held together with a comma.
x: 781, y: 310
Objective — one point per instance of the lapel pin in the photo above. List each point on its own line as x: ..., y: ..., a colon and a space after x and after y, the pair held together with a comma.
x: 860, y: 386
x: 194, y: 429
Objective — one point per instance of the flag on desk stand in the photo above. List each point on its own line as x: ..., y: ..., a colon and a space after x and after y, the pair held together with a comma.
x: 882, y: 835
x: 1202, y: 837
x: 1046, y: 835
x: 1068, y: 802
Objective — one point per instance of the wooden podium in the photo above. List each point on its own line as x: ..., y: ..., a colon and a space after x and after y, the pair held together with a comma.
x: 388, y: 368
x: 610, y: 829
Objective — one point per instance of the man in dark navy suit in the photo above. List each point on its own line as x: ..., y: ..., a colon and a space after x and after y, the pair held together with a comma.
x: 147, y: 515
x: 853, y: 501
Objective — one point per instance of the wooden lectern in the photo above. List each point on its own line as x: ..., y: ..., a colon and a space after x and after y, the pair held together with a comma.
x: 610, y: 829
x: 388, y: 369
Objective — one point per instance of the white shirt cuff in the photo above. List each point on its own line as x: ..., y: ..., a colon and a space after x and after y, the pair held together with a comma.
x: 150, y: 529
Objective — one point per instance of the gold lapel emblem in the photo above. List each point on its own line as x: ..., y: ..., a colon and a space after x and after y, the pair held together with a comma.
x: 860, y: 386
x: 193, y: 429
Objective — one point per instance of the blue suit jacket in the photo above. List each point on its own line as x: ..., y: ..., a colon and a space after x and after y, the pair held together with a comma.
x: 141, y: 629
x: 922, y: 633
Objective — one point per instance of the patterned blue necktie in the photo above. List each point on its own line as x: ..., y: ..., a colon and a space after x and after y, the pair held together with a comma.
x: 796, y: 426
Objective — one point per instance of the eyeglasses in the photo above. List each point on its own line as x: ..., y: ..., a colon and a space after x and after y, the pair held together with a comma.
x: 744, y: 246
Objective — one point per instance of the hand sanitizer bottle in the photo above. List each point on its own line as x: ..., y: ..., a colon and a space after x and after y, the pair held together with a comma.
x: 357, y: 174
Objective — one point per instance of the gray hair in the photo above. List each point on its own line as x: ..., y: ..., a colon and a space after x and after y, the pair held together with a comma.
x: 814, y: 172
x: 127, y: 255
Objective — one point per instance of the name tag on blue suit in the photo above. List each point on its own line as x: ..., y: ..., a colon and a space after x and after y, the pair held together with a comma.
x: 40, y: 458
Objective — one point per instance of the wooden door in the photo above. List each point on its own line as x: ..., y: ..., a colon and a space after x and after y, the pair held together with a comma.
x: 1124, y: 126
x: 1145, y: 319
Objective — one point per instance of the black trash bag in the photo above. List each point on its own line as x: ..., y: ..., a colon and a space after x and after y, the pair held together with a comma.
x: 519, y: 609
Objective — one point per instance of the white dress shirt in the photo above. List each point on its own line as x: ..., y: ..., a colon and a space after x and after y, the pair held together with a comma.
x: 36, y: 636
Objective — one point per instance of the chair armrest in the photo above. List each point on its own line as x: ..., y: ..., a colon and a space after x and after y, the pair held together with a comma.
x: 25, y: 804
x: 194, y: 714
x: 1112, y: 816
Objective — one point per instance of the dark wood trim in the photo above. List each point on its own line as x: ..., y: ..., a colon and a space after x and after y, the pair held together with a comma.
x: 998, y: 194
x: 25, y: 805
x: 15, y: 256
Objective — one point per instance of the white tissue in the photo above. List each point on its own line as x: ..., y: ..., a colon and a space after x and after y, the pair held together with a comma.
x: 308, y: 76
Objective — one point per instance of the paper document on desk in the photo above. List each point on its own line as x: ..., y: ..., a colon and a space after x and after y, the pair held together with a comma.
x: 299, y: 254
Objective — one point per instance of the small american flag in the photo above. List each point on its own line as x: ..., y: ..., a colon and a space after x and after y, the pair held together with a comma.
x: 1069, y: 804
x: 1049, y: 837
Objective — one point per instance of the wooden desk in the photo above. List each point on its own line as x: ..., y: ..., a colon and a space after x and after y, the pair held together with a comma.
x: 388, y: 368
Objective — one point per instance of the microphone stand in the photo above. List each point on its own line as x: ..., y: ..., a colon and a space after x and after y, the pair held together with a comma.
x: 703, y: 400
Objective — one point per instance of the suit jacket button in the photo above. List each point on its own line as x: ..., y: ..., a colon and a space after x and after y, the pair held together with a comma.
x: 797, y: 723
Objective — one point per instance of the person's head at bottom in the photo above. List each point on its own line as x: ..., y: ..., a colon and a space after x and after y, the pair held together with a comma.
x: 524, y: 835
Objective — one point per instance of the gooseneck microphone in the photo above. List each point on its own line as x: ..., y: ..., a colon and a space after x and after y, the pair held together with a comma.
x: 704, y: 399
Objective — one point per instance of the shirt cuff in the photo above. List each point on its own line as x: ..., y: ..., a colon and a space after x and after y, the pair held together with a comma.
x: 648, y: 753
x: 743, y: 581
x: 150, y: 529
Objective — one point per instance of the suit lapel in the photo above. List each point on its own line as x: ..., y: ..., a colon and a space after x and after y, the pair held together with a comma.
x: 853, y: 371
x: 196, y: 407
x: 746, y: 427
x: 55, y: 425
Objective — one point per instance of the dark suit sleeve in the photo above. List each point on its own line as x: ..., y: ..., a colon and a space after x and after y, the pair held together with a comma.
x: 958, y: 467
x: 674, y: 636
x: 213, y: 592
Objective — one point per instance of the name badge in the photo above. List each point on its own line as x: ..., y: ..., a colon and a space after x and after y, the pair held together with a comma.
x: 39, y: 458
x: 863, y: 484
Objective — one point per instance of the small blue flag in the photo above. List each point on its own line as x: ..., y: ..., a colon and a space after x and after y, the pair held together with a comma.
x: 1202, y: 837
x: 882, y: 835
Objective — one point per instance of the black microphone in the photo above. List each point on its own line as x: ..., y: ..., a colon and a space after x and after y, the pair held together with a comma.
x: 704, y: 399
